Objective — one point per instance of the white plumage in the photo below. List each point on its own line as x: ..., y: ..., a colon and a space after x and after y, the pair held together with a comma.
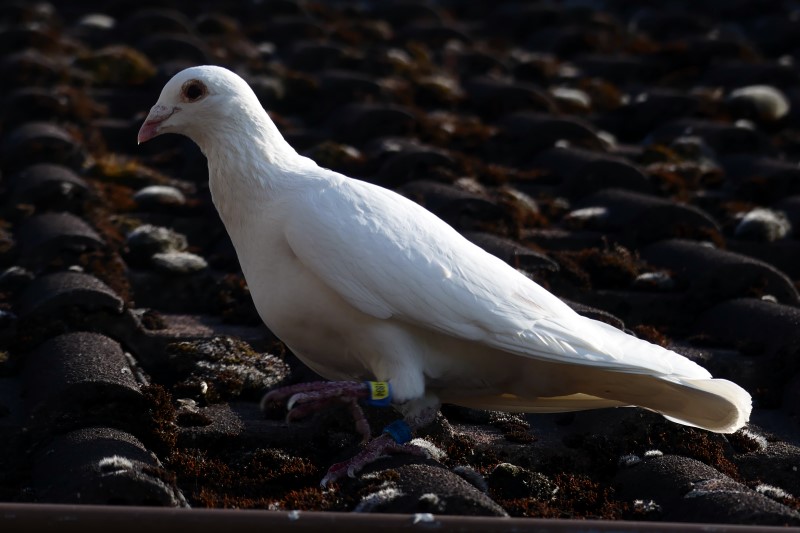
x: 362, y: 283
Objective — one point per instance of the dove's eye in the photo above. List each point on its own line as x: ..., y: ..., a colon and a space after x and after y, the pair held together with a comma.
x: 193, y: 90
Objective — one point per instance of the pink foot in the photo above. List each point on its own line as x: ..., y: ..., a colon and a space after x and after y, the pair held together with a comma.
x: 308, y: 398
x: 373, y: 451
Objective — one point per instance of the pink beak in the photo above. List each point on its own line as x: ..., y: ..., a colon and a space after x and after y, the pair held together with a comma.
x: 152, y: 124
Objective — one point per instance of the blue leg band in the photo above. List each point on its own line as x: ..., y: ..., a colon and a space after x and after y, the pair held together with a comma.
x: 399, y: 431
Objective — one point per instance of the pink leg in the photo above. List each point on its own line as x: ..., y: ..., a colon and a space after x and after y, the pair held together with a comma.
x: 374, y: 450
x: 308, y: 398
x: 418, y: 415
x: 325, y: 388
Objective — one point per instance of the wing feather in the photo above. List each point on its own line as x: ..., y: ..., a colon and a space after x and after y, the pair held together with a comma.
x: 391, y: 258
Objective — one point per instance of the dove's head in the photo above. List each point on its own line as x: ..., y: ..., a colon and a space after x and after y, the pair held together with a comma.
x: 200, y: 102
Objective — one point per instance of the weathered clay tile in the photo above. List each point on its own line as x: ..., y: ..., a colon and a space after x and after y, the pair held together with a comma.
x: 213, y: 425
x: 314, y: 55
x: 434, y: 34
x: 766, y: 328
x: 761, y: 329
x: 525, y: 133
x: 724, y: 138
x: 686, y: 490
x: 31, y: 67
x: 51, y: 293
x: 29, y: 36
x: 493, y: 97
x: 405, y: 11
x: 731, y: 74
x: 361, y: 122
x: 410, y: 163
x: 582, y: 172
x: 783, y: 254
x: 511, y: 252
x: 40, y: 142
x: 422, y: 488
x: 648, y: 110
x: 94, y: 29
x: 286, y: 29
x: 667, y: 24
x: 791, y: 207
x: 458, y: 206
x: 166, y: 47
x: 49, y: 235
x: 34, y: 104
x: 47, y: 186
x: 774, y: 463
x: 761, y: 179
x: 80, y: 379
x: 102, y: 466
x: 713, y: 275
x: 150, y: 21
x: 637, y: 218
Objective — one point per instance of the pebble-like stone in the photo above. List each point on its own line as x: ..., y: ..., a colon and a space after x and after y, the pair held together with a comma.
x: 761, y: 102
x: 159, y: 196
x: 147, y: 240
x: 178, y: 262
x: 763, y: 225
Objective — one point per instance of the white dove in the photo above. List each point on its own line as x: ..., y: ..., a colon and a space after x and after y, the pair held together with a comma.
x: 364, y: 284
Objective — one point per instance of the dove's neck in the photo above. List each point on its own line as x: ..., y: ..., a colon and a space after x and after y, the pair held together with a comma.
x: 249, y: 163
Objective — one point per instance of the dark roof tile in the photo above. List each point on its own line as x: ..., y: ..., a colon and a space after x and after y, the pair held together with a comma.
x: 153, y: 20
x: 51, y: 293
x: 762, y: 329
x: 412, y: 163
x: 39, y: 142
x: 48, y: 186
x: 713, y: 275
x: 761, y: 179
x: 213, y: 425
x: 724, y: 138
x: 713, y: 500
x: 283, y: 30
x: 313, y: 55
x: 638, y: 218
x: 424, y: 488
x: 33, y: 103
x: 774, y: 327
x: 690, y: 491
x: 791, y: 207
x: 775, y: 465
x: 31, y: 68
x: 166, y: 47
x: 583, y: 172
x: 783, y: 255
x: 461, y: 208
x: 528, y: 132
x: 405, y: 11
x: 732, y: 74
x: 648, y: 110
x: 77, y: 379
x: 50, y: 235
x: 362, y: 122
x: 433, y: 33
x: 511, y: 252
x: 102, y: 466
x: 493, y: 97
